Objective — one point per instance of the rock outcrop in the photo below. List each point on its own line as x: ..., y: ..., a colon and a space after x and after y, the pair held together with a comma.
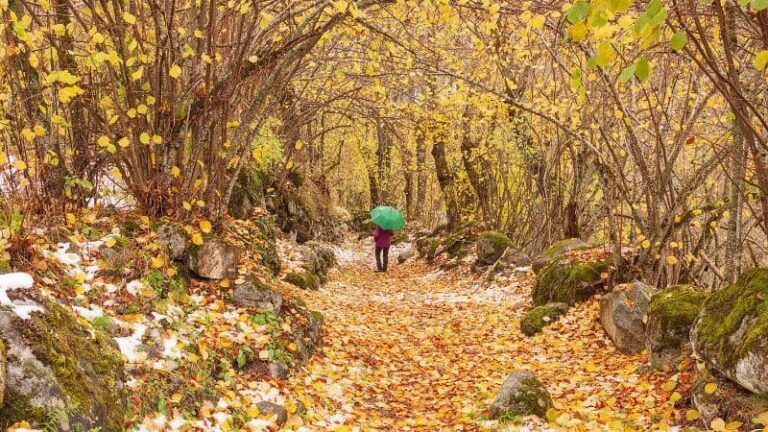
x: 215, y: 259
x: 671, y: 314
x: 731, y: 332
x: 622, y: 313
x: 725, y: 399
x: 521, y: 395
x: 541, y: 316
x: 60, y: 372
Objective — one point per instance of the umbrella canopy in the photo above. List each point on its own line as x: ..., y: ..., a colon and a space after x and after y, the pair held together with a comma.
x: 388, y: 218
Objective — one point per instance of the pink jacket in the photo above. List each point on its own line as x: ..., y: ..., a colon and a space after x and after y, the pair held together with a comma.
x: 383, y: 237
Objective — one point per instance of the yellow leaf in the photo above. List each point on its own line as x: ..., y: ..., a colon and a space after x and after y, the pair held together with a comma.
x: 176, y: 398
x: 717, y: 424
x: 110, y: 242
x: 103, y: 141
x: 710, y: 388
x: 691, y: 415
x: 71, y: 219
x: 124, y: 142
x: 175, y: 171
x: 128, y: 18
x: 224, y: 283
x: 671, y: 260
x: 264, y: 355
x: 645, y: 244
x: 158, y: 262
x: 205, y: 226
x: 144, y: 138
x: 734, y: 425
x: 20, y: 165
x: 187, y: 206
x: 675, y: 397
x: 197, y: 239
x: 174, y: 71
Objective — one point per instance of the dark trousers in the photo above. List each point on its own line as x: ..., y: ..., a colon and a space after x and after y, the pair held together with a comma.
x: 382, y: 266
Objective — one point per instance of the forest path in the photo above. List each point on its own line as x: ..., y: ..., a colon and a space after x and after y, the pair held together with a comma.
x: 422, y: 349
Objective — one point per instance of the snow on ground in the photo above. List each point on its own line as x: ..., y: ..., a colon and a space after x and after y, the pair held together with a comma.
x: 18, y: 281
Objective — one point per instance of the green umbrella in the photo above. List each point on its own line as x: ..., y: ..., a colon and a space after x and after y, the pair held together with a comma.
x: 388, y: 218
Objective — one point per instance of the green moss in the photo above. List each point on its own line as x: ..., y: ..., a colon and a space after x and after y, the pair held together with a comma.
x: 556, y: 252
x: 675, y: 308
x: 726, y: 311
x: 569, y: 283
x: 17, y: 408
x: 130, y: 228
x: 497, y: 239
x: 303, y: 280
x: 5, y: 267
x: 533, y: 322
x: 88, y: 368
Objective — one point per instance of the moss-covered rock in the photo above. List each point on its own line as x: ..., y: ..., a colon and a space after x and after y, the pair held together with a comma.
x: 671, y: 314
x: 728, y: 401
x: 267, y: 245
x: 541, y: 316
x: 622, y: 314
x: 490, y: 246
x: 247, y: 194
x: 521, y: 395
x: 557, y: 251
x: 731, y: 332
x: 303, y: 280
x: 59, y: 372
x: 562, y: 282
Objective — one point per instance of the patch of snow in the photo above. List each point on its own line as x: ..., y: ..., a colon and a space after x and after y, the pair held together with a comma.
x: 133, y: 287
x: 89, y: 314
x: 170, y: 347
x: 129, y: 344
x: 15, y: 281
x: 65, y: 257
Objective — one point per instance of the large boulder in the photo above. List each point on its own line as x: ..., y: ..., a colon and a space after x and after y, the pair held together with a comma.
x: 717, y: 397
x: 556, y: 252
x: 622, y: 313
x: 731, y: 331
x: 257, y: 295
x: 671, y: 314
x: 172, y: 239
x: 541, y: 316
x: 521, y: 395
x: 564, y: 282
x: 215, y: 259
x: 60, y: 373
x: 490, y: 246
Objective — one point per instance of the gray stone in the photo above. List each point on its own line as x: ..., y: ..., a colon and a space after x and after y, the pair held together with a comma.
x: 271, y: 409
x: 279, y: 370
x: 172, y: 239
x: 406, y: 255
x: 256, y: 294
x: 622, y: 313
x: 215, y: 259
x: 521, y: 395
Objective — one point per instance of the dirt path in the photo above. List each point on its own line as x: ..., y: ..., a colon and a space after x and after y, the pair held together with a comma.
x: 418, y: 349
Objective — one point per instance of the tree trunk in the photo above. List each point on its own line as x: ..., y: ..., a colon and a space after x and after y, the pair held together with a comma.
x: 445, y: 179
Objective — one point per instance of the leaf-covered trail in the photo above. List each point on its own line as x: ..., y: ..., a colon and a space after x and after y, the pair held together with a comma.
x: 417, y: 349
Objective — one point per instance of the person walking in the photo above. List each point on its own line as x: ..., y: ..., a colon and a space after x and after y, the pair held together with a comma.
x: 387, y: 220
x: 383, y: 239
